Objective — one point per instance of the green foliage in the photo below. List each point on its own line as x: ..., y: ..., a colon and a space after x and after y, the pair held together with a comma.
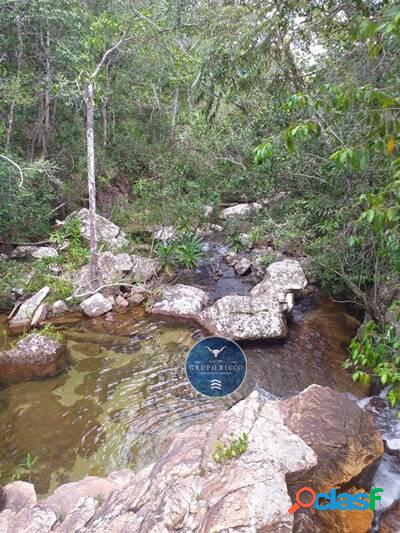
x: 76, y: 253
x: 235, y: 448
x: 377, y: 353
x: 25, y: 469
x: 50, y: 330
x: 25, y: 205
x: 166, y: 254
x: 236, y: 243
x: 188, y: 251
x: 185, y: 250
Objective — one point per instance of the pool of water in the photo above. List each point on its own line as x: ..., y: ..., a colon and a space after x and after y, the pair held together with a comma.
x: 125, y: 391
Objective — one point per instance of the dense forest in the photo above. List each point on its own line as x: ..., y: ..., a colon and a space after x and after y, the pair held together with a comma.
x: 189, y: 104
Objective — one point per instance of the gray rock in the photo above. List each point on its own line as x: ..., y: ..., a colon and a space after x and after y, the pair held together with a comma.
x: 144, y: 268
x: 3, y: 257
x: 36, y: 519
x: 112, y: 269
x: 180, y: 301
x: 59, y: 307
x: 65, y: 498
x: 27, y: 310
x: 164, y: 233
x: 245, y: 318
x: 187, y: 490
x: 96, y: 305
x: 108, y: 233
x: 121, y: 302
x: 282, y: 276
x: 23, y: 251
x: 39, y: 315
x: 242, y: 267
x: 34, y: 357
x: 240, y: 211
x: 44, y: 251
x: 19, y: 494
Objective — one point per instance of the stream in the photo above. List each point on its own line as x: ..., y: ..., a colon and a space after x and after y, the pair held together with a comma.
x: 125, y: 391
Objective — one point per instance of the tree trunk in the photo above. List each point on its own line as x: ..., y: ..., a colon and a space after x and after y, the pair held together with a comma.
x: 91, y: 184
x: 46, y: 103
x: 10, y: 122
x: 175, y: 108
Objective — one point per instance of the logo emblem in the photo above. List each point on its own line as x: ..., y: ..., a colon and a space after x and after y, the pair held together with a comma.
x: 216, y: 366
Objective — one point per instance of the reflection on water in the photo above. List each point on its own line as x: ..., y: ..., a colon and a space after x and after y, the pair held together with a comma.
x: 125, y: 390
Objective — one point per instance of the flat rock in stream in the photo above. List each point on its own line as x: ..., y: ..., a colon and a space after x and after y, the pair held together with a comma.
x: 245, y: 318
x: 180, y: 301
x: 34, y: 357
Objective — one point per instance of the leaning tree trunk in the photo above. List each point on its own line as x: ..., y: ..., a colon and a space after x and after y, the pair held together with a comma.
x: 91, y: 185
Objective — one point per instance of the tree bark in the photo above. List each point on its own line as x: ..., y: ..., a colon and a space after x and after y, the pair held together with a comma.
x: 46, y: 103
x: 91, y: 184
x: 10, y: 122
x: 175, y: 108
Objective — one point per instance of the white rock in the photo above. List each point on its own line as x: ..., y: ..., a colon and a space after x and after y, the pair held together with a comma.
x: 40, y: 314
x: 27, y: 310
x: 164, y: 233
x: 96, y: 305
x: 45, y: 251
x: 180, y: 300
x: 241, y: 211
x: 120, y: 300
x: 282, y: 276
x: 144, y: 268
x: 245, y: 318
x: 243, y: 266
x: 59, y: 307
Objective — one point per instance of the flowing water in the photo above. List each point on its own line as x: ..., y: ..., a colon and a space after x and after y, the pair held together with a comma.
x: 125, y: 390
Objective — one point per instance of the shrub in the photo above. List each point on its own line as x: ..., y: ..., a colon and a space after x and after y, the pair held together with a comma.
x: 233, y: 449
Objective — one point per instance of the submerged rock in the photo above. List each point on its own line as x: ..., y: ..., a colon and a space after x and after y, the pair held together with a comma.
x: 180, y: 301
x: 108, y: 233
x: 25, y: 313
x: 34, y: 357
x: 96, y: 305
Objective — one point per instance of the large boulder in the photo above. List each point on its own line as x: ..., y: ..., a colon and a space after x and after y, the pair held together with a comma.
x: 34, y: 357
x: 245, y: 318
x: 44, y: 251
x: 108, y: 233
x: 348, y: 445
x: 23, y: 318
x: 187, y: 490
x: 19, y: 494
x: 240, y: 211
x: 144, y: 268
x: 96, y: 305
x: 282, y: 277
x: 180, y: 301
x: 112, y: 269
